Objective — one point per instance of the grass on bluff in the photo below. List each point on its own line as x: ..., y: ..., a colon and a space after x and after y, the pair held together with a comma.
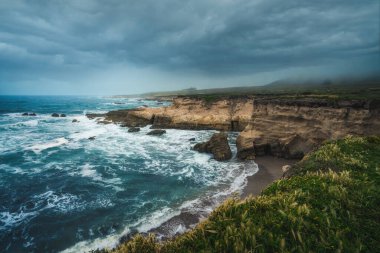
x: 330, y: 203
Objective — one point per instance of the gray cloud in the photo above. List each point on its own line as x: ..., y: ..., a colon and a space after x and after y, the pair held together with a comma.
x: 66, y: 40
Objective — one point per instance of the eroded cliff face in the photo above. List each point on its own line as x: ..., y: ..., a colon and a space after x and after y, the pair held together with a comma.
x: 228, y: 114
x: 291, y: 128
x: 282, y: 127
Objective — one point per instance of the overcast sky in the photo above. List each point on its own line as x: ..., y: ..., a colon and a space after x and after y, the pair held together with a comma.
x: 125, y: 47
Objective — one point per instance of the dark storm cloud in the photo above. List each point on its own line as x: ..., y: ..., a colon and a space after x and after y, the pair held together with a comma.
x: 53, y: 39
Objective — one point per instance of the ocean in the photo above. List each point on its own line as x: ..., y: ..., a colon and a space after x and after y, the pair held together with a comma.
x: 61, y: 192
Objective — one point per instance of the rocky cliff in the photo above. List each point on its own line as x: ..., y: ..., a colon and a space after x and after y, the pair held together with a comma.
x: 283, y: 127
x: 229, y: 114
x: 291, y: 128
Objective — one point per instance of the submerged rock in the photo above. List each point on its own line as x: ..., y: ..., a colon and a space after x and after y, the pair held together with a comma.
x: 192, y: 139
x: 55, y: 115
x: 29, y: 114
x: 157, y: 132
x: 75, y: 120
x: 133, y: 129
x: 63, y: 115
x: 104, y: 122
x: 95, y: 115
x: 91, y: 138
x: 217, y: 145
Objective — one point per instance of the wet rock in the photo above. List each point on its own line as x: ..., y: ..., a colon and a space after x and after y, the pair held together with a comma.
x: 63, y: 115
x: 192, y: 139
x: 104, y: 122
x: 91, y: 138
x: 129, y: 118
x: 25, y: 114
x: 134, y: 129
x: 95, y: 115
x: 55, y: 115
x: 32, y: 114
x: 157, y: 132
x: 217, y: 145
x: 75, y: 121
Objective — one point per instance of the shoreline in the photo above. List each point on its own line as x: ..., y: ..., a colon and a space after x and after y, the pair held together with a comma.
x: 270, y: 170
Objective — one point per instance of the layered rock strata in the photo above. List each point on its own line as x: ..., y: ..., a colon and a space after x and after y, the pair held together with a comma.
x: 226, y: 114
x: 283, y: 127
x: 291, y: 128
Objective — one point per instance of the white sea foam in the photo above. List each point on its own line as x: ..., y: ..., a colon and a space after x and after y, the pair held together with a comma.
x: 161, y: 216
x: 144, y: 224
x: 88, y: 171
x: 59, y: 202
x: 87, y: 134
x: 29, y: 123
x: 11, y: 169
x: 168, y: 155
x: 108, y: 242
x: 8, y: 220
x: 55, y: 143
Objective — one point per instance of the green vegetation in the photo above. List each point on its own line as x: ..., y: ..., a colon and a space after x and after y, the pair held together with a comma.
x: 359, y: 88
x: 330, y: 203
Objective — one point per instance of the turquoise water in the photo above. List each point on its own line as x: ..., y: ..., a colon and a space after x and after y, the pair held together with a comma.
x: 60, y: 191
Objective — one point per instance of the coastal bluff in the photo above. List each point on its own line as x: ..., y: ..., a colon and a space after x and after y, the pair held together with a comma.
x: 292, y: 127
x: 278, y: 126
x: 225, y: 114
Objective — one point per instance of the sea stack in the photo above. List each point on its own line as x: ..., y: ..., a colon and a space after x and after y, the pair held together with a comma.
x: 217, y: 145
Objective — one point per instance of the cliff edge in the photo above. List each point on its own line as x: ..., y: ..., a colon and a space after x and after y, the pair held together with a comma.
x: 290, y: 128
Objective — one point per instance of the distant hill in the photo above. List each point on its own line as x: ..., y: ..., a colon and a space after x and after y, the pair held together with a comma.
x: 364, y: 86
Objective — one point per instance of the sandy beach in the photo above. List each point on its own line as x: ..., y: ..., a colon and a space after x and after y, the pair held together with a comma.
x: 270, y: 169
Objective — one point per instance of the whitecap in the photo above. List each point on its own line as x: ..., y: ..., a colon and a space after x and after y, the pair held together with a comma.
x: 55, y: 143
x: 29, y: 123
x: 108, y: 242
x: 142, y: 225
x: 65, y: 202
x: 88, y: 171
x: 8, y: 220
x: 87, y: 134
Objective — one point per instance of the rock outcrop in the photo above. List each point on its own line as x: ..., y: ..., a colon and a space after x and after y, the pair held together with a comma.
x: 157, y: 132
x: 29, y: 114
x: 291, y: 128
x: 55, y: 115
x: 139, y: 117
x: 217, y: 145
x: 134, y: 129
x: 280, y: 126
x: 226, y: 114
